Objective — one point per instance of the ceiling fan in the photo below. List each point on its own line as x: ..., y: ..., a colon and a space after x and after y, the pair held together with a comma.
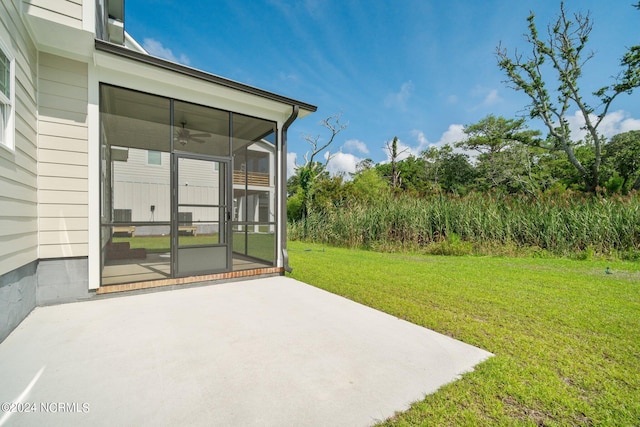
x: 184, y: 135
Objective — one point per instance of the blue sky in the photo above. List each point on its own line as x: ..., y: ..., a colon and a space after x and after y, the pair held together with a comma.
x: 416, y: 69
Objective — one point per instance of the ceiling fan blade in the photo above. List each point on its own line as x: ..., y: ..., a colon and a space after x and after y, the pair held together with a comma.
x: 197, y: 140
x: 200, y: 135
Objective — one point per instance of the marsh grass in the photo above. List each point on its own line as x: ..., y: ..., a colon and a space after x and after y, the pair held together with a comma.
x: 571, y: 225
x: 564, y: 333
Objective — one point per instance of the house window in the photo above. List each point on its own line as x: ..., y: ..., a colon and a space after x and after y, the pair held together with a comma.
x: 7, y: 101
x: 154, y: 157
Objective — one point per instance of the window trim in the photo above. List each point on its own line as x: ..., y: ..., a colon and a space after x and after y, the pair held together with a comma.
x: 8, y: 140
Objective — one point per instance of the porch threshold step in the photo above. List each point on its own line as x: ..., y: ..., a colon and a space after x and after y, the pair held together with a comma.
x: 125, y: 287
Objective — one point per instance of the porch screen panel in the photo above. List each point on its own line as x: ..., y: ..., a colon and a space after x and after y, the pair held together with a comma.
x: 136, y: 181
x: 254, y: 190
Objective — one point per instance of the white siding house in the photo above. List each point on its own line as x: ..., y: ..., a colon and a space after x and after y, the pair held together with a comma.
x: 63, y: 190
x: 18, y: 171
x: 120, y: 170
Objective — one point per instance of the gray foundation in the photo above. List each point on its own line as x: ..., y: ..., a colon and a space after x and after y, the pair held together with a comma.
x: 62, y: 280
x: 17, y: 296
x: 43, y: 282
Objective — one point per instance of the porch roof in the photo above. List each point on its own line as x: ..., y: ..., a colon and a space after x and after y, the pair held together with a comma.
x: 124, y: 52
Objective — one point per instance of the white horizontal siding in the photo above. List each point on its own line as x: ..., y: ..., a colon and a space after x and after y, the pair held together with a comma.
x: 65, y: 12
x: 54, y: 238
x: 21, y: 243
x: 52, y: 142
x: 65, y: 250
x: 48, y: 197
x: 139, y: 197
x: 47, y: 170
x: 67, y: 131
x: 62, y: 157
x: 136, y: 169
x: 138, y: 186
x: 68, y: 184
x: 18, y: 168
x: 64, y: 223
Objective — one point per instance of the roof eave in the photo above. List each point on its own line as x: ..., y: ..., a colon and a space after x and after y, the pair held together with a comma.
x: 124, y: 52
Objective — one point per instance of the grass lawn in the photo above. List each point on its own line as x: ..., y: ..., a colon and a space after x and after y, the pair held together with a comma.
x: 261, y: 245
x: 566, y: 335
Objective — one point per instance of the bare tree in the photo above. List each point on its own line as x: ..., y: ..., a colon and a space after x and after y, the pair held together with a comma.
x: 334, y: 125
x: 564, y: 50
x: 309, y: 172
x: 392, y: 151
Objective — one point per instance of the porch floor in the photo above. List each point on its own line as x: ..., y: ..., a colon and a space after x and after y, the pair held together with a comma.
x: 271, y: 351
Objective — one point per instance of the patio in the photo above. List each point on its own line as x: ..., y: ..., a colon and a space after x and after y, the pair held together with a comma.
x: 271, y: 351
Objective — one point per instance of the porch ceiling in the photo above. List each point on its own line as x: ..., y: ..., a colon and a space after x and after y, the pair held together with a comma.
x: 141, y: 121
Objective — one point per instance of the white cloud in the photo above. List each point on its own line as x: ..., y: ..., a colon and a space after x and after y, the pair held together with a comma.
x: 290, y: 77
x: 489, y: 96
x: 356, y: 146
x: 630, y: 124
x: 342, y: 163
x: 155, y: 48
x: 453, y: 134
x: 614, y: 123
x: 291, y: 164
x: 399, y: 99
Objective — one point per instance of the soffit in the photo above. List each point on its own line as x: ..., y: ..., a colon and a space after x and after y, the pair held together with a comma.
x: 58, y: 37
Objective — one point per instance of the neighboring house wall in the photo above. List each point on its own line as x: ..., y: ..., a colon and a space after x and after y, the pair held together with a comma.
x: 62, y: 154
x: 137, y: 186
x: 18, y: 179
x: 66, y: 12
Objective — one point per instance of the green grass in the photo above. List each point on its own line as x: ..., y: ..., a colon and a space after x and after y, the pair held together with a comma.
x: 261, y: 245
x: 565, y: 335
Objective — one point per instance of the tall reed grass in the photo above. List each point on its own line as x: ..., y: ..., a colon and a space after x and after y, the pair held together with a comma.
x: 563, y: 224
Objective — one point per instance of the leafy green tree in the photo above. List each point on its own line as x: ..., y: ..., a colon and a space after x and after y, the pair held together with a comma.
x: 364, y: 164
x: 368, y: 185
x: 622, y: 155
x: 329, y: 192
x: 294, y: 207
x: 493, y: 134
x: 414, y: 176
x: 564, y: 49
x: 557, y: 172
x: 447, y: 170
x: 505, y: 158
x: 410, y: 175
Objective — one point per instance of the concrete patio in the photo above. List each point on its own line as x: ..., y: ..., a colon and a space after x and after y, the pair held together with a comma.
x: 268, y: 352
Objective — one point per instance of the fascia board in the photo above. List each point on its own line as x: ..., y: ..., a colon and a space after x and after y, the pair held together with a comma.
x: 147, y: 78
